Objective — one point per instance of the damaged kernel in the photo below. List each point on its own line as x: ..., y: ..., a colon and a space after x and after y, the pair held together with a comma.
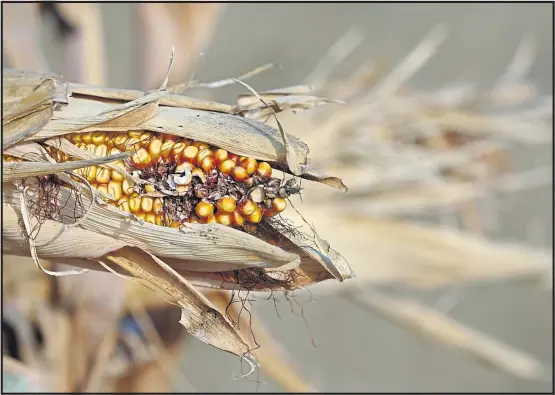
x: 186, y: 181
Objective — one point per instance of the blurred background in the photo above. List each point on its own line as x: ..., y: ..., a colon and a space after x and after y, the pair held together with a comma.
x: 454, y: 289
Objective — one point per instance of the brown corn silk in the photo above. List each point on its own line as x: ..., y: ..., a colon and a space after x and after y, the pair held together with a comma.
x: 43, y: 114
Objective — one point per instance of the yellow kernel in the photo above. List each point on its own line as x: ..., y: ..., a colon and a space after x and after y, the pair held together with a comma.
x: 114, y: 188
x: 86, y: 138
x: 255, y: 217
x: 103, y: 189
x: 145, y: 139
x: 158, y: 220
x: 204, y: 209
x: 237, y: 219
x: 128, y: 186
x: 224, y: 219
x: 203, y: 153
x: 135, y: 204
x: 123, y: 204
x: 279, y: 204
x: 132, y: 144
x: 154, y: 149
x: 207, y: 164
x: 141, y: 215
x: 101, y: 150
x: 208, y: 220
x: 146, y: 204
x: 226, y: 204
x: 249, y: 164
x: 90, y: 174
x: 193, y: 219
x: 200, y: 145
x: 91, y: 148
x: 182, y: 188
x: 169, y: 137
x: 226, y: 166
x: 166, y: 149
x: 120, y: 141
x: 150, y: 218
x: 264, y: 169
x: 177, y: 151
x: 141, y: 158
x: 134, y: 133
x: 103, y: 175
x: 157, y: 206
x: 190, y: 153
x: 220, y: 155
x: 149, y: 188
x: 75, y: 138
x: 117, y: 176
x: 246, y: 207
x: 98, y: 138
x: 239, y: 174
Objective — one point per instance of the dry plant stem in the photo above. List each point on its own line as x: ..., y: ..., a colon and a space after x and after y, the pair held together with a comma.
x: 165, y: 361
x: 97, y: 302
x: 270, y: 355
x: 97, y: 380
x: 80, y: 350
x: 85, y: 58
x: 56, y: 327
x: 430, y: 323
x: 187, y: 26
x: 337, y: 53
x: 445, y: 194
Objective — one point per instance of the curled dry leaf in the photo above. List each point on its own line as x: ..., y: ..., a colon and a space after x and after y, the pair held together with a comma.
x: 28, y: 102
x: 62, y: 207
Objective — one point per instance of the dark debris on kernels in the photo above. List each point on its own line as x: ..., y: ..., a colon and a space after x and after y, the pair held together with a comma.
x: 197, y: 183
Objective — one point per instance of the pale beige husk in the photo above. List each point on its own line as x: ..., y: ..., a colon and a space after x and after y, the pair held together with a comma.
x: 42, y: 108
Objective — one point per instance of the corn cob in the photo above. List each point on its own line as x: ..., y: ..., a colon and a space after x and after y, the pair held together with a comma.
x: 188, y: 181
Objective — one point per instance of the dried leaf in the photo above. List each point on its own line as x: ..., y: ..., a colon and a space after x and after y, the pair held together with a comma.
x: 18, y: 170
x: 198, y: 316
x: 220, y: 247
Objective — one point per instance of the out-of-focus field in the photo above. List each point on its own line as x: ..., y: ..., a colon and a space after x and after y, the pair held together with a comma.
x: 357, y: 350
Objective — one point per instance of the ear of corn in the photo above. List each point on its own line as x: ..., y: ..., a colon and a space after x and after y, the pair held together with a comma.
x: 193, y: 194
x: 210, y: 185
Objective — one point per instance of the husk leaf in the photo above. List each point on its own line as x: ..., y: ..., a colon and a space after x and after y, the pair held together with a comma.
x: 198, y: 315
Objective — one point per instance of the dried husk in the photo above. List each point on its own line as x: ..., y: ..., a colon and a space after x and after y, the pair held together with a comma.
x: 167, y: 260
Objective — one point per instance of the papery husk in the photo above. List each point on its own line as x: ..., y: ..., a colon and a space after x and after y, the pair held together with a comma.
x: 159, y: 257
x: 195, y: 248
x: 28, y: 103
x: 233, y: 133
